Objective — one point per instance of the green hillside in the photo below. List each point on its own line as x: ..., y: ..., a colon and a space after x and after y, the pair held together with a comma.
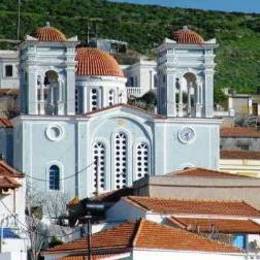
x: 144, y: 27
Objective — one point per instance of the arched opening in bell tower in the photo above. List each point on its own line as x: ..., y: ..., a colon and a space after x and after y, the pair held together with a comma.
x: 190, y: 96
x: 50, y: 93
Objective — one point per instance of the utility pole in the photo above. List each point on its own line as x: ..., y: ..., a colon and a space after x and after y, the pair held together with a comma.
x: 19, y: 20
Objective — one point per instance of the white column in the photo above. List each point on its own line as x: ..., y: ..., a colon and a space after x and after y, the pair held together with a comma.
x: 189, y: 84
x: 198, y: 105
x: 180, y: 99
x: 208, y: 90
x: 41, y: 101
x: 32, y: 91
x: 171, y: 92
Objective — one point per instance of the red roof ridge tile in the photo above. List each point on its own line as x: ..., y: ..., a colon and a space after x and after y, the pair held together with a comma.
x: 203, y: 172
x: 138, y: 231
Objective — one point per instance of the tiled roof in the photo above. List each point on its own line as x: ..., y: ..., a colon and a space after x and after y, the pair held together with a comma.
x: 5, y: 123
x: 95, y: 62
x: 93, y: 257
x: 243, y: 155
x: 174, y: 206
x: 239, y: 132
x: 146, y: 235
x: 203, y: 172
x: 8, y: 176
x: 9, y: 92
x: 227, y: 226
x: 49, y: 34
x: 187, y: 36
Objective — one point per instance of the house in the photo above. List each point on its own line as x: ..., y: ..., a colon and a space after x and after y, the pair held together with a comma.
x: 143, y: 239
x: 240, y: 162
x: 240, y: 138
x: 141, y: 78
x: 237, y: 219
x: 9, y: 74
x: 13, y: 243
x: 200, y: 184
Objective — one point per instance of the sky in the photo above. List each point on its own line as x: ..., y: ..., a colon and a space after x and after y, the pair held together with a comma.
x: 223, y: 5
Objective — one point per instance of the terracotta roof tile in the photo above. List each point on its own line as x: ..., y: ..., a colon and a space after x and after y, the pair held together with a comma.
x: 5, y: 123
x: 7, y: 170
x: 203, y: 172
x: 93, y: 257
x: 49, y: 34
x: 95, y: 62
x: 8, y: 176
x: 240, y: 132
x: 227, y: 226
x: 243, y: 155
x: 8, y: 183
x: 173, y: 206
x: 187, y: 36
x: 143, y: 234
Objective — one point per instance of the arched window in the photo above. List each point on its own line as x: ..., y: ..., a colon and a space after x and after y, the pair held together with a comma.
x: 142, y: 160
x: 120, y: 160
x: 99, y: 166
x: 54, y: 178
x: 94, y: 99
x: 111, y: 97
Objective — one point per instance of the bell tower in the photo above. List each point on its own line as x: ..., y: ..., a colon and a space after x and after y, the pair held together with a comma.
x: 186, y: 75
x: 47, y: 69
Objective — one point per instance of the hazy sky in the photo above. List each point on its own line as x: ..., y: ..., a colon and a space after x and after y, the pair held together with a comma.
x: 224, y: 5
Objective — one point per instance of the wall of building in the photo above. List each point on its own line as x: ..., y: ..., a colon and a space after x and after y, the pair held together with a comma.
x: 182, y: 255
x: 240, y: 166
x: 240, y: 143
x: 13, y: 256
x: 9, y: 58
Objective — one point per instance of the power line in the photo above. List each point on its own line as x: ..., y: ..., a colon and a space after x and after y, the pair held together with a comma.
x: 63, y: 179
x: 25, y: 228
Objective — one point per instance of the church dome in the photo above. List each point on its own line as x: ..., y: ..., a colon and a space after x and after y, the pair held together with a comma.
x: 187, y: 36
x: 94, y: 62
x: 49, y: 34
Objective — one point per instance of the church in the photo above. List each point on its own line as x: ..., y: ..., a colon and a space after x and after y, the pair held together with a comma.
x: 76, y: 133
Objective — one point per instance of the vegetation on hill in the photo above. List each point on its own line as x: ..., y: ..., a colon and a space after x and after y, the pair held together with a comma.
x: 144, y: 27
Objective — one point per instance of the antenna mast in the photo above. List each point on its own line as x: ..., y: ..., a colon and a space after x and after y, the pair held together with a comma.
x: 19, y: 20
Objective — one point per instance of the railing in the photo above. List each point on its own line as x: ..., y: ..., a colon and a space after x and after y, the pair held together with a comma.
x: 134, y: 91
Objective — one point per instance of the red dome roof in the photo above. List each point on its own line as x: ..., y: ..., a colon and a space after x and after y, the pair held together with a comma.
x: 49, y: 34
x: 94, y: 62
x: 187, y: 36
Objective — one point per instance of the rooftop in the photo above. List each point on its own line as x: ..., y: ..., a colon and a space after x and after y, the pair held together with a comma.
x: 143, y: 234
x: 240, y: 155
x: 95, y: 62
x: 187, y: 36
x: 193, y: 207
x: 8, y: 176
x: 202, y: 172
x: 240, y: 132
x: 226, y: 226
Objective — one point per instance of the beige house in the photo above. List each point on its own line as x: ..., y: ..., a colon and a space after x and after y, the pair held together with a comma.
x: 240, y: 162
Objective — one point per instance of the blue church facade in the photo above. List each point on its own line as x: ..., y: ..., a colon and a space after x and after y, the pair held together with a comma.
x: 76, y: 134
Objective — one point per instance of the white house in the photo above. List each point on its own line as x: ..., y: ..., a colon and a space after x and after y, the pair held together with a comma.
x: 13, y: 242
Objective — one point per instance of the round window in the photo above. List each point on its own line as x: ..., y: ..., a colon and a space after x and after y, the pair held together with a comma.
x: 54, y: 132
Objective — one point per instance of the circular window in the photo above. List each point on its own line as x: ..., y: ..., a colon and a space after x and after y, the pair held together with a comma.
x: 54, y: 132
